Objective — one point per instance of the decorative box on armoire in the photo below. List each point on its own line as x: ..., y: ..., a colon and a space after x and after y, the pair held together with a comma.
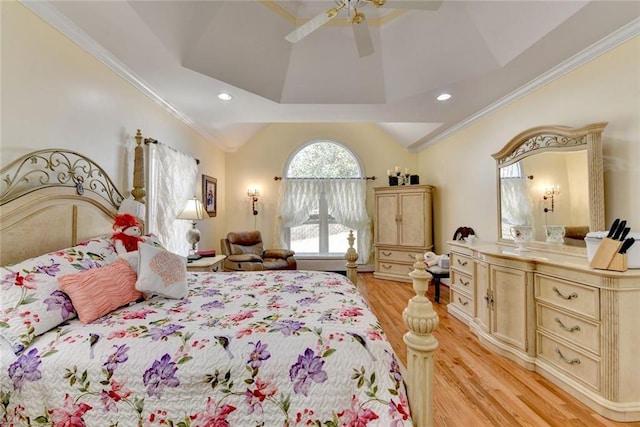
x: 403, y: 227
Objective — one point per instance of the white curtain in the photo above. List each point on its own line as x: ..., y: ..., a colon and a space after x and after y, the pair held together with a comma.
x: 346, y: 200
x: 171, y: 182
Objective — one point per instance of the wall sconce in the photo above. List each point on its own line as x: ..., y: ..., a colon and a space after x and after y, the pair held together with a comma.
x: 253, y: 192
x: 549, y: 194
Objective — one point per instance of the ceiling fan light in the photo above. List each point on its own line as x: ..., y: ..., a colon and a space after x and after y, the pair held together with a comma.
x: 358, y: 17
x: 443, y: 96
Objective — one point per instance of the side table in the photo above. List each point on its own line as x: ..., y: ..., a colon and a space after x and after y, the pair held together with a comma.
x: 206, y: 264
x: 438, y: 273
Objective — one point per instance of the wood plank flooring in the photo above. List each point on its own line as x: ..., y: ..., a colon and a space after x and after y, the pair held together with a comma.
x: 473, y: 386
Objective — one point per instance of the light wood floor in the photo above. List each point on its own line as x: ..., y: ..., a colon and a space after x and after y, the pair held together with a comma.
x: 473, y: 386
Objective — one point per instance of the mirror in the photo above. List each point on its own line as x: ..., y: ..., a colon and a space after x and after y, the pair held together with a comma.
x: 551, y: 178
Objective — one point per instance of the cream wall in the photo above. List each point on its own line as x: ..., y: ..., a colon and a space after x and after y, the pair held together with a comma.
x: 266, y: 155
x: 605, y: 89
x: 54, y: 94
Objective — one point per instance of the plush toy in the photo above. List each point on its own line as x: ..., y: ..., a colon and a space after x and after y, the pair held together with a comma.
x: 128, y: 232
x: 431, y: 259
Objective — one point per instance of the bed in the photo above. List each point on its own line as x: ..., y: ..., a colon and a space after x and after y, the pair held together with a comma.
x: 239, y: 348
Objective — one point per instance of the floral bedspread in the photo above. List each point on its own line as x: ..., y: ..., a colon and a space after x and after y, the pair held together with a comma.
x: 242, y: 349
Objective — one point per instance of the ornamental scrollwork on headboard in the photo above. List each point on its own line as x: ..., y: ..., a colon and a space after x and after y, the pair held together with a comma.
x: 543, y: 141
x: 56, y: 168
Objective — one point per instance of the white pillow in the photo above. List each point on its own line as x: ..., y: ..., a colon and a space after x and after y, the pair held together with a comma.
x: 161, y: 272
x: 133, y: 258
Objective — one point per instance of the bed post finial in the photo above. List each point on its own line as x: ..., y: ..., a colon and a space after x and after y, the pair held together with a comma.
x: 352, y: 256
x: 421, y: 320
x: 138, y: 191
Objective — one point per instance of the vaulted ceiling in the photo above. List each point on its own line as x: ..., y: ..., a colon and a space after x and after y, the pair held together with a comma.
x: 183, y: 53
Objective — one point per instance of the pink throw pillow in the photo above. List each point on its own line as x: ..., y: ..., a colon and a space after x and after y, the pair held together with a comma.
x: 99, y: 291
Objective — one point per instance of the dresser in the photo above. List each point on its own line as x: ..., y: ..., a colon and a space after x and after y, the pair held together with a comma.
x: 402, y: 228
x: 553, y: 314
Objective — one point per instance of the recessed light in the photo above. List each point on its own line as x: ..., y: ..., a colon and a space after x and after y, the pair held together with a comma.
x: 443, y: 96
x: 225, y: 96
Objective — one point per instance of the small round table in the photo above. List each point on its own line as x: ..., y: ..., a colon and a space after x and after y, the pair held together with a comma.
x: 438, y: 273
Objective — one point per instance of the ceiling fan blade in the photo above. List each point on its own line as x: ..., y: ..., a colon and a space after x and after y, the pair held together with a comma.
x: 414, y: 4
x: 363, y: 38
x: 310, y: 26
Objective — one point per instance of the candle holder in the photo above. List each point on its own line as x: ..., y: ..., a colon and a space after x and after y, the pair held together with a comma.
x: 396, y: 177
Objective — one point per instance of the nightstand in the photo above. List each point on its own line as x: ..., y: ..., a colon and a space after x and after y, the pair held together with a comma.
x: 207, y: 264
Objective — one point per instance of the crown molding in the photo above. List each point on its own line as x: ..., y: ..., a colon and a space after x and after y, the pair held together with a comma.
x: 600, y: 47
x: 51, y: 15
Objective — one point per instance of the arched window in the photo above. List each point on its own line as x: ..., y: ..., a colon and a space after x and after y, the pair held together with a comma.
x: 324, y: 196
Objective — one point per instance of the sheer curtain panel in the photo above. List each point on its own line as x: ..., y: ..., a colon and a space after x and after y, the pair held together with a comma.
x: 172, y: 181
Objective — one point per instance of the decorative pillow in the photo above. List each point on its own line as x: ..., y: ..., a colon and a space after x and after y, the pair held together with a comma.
x: 133, y: 258
x: 153, y: 240
x: 32, y: 302
x: 161, y: 272
x: 97, y: 292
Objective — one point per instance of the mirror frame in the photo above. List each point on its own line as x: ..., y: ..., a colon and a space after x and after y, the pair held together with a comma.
x: 560, y: 138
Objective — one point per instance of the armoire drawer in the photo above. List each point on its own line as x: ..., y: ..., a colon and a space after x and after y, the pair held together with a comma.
x: 461, y: 263
x: 575, y: 330
x: 397, y: 255
x: 394, y: 268
x: 576, y: 363
x: 583, y: 300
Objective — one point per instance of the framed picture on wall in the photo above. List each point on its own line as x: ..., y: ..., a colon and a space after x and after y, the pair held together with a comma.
x: 209, y: 194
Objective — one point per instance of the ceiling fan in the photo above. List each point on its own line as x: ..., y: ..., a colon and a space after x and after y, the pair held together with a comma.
x: 357, y: 19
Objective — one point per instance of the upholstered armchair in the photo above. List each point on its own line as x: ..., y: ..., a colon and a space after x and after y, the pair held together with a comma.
x: 245, y: 252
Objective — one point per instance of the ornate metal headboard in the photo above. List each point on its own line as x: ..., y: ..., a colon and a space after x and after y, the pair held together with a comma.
x: 52, y: 199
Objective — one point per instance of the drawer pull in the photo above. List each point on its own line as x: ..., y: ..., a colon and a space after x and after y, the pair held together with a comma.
x: 386, y: 266
x: 386, y: 253
x: 566, y: 328
x: 462, y: 282
x: 463, y: 302
x: 575, y: 361
x: 412, y: 257
x: 568, y: 297
x: 462, y: 263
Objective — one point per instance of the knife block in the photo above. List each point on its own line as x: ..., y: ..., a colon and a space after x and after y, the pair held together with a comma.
x: 606, y: 254
x: 618, y: 263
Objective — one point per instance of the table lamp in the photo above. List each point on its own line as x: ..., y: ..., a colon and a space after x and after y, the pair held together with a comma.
x: 194, y: 210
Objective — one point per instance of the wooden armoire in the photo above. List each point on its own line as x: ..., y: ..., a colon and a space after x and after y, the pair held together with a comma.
x: 403, y: 228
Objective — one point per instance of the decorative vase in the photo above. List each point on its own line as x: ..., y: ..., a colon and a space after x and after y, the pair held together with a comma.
x: 521, y: 235
x: 554, y: 233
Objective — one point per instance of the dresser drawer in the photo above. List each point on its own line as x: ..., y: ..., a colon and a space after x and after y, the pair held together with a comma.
x: 461, y: 263
x: 577, y: 364
x: 583, y: 300
x: 577, y: 331
x: 462, y: 282
x: 394, y: 268
x: 397, y: 255
x: 462, y: 301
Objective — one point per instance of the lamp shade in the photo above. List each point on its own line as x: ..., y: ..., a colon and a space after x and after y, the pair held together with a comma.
x: 193, y: 210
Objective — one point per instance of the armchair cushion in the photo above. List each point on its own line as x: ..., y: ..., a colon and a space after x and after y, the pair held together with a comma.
x: 278, y: 253
x: 245, y: 258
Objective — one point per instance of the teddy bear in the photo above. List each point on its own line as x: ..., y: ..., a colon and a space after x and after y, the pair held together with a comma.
x: 128, y: 233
